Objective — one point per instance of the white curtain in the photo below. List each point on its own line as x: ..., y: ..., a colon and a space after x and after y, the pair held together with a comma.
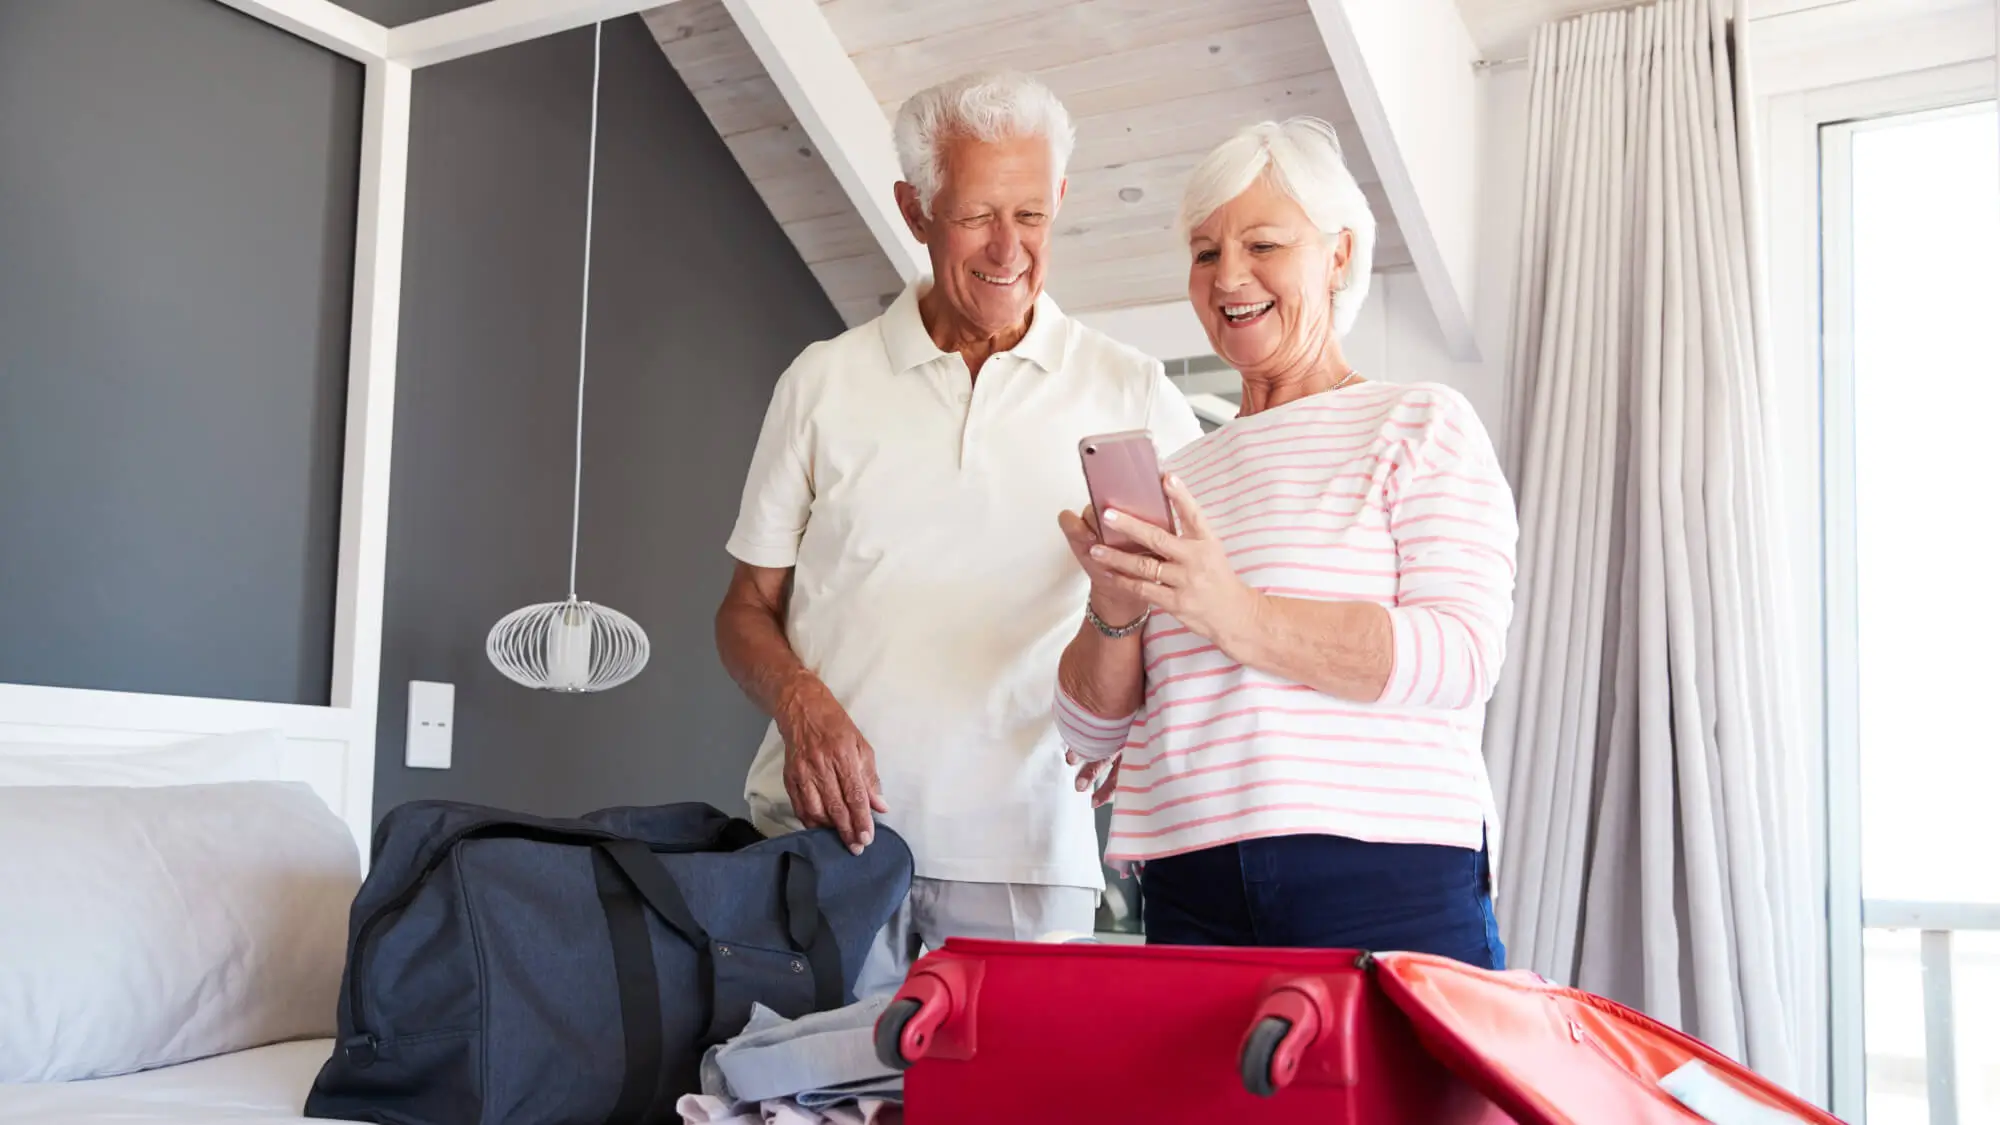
x: 1644, y: 741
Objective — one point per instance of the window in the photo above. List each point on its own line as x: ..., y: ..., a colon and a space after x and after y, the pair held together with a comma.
x: 1910, y: 292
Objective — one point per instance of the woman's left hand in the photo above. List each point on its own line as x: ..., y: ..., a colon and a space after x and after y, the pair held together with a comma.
x: 1190, y: 578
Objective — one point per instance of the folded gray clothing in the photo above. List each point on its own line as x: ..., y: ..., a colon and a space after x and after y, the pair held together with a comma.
x: 819, y: 1060
x: 882, y: 1089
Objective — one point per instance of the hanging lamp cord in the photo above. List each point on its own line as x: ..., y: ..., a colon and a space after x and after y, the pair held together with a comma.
x: 583, y: 333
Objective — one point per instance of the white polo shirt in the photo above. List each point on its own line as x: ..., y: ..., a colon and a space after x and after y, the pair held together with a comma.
x: 933, y: 591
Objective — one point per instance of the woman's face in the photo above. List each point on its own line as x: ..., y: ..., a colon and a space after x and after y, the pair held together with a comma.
x: 1262, y: 280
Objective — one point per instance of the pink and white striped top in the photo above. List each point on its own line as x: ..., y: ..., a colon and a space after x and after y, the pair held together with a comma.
x: 1378, y: 492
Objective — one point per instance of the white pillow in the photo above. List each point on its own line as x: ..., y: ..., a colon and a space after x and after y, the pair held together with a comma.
x: 141, y: 927
x: 243, y: 756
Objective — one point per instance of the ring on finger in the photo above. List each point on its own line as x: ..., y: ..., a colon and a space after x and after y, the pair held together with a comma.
x: 1157, y: 568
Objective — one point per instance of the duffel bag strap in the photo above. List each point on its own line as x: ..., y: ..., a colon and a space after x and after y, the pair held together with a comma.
x: 810, y: 932
x: 638, y: 992
x: 806, y: 928
x: 630, y: 879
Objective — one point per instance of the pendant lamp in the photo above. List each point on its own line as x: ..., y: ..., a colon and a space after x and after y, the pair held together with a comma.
x: 572, y: 645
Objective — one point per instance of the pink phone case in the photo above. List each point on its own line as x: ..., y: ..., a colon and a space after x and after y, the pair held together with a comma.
x: 1122, y: 471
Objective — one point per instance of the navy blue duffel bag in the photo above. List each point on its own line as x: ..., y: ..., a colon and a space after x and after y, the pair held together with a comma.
x: 508, y: 968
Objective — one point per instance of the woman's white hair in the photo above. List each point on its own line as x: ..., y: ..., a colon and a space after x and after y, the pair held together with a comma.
x: 988, y: 106
x: 1301, y: 157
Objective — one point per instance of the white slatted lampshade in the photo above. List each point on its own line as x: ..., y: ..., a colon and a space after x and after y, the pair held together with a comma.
x: 572, y: 645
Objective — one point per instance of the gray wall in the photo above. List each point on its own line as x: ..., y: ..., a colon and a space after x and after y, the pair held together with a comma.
x: 698, y: 302
x: 177, y: 189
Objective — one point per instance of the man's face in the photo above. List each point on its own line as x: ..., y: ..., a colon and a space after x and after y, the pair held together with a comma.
x: 988, y: 228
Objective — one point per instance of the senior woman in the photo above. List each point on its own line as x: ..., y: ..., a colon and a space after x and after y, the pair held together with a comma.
x: 1295, y: 680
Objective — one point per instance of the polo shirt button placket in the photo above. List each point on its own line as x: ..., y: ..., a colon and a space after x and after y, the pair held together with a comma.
x: 964, y: 396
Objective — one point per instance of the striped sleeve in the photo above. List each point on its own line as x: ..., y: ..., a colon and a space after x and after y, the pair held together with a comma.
x: 1091, y: 736
x: 1452, y: 517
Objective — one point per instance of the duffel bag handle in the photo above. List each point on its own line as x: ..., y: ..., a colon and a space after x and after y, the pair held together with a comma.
x: 628, y: 868
x: 806, y: 926
x: 810, y: 932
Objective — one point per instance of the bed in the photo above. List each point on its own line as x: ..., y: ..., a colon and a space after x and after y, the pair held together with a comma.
x: 272, y: 802
x: 260, y: 1086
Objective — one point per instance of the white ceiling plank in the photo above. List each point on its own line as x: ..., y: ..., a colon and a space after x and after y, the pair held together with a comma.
x: 774, y: 151
x: 1067, y: 34
x: 1190, y: 66
x: 744, y: 107
x: 719, y: 58
x: 688, y: 19
x: 865, y: 25
x: 1406, y: 69
x: 834, y: 106
x: 811, y: 193
x: 1196, y: 124
x: 496, y: 24
x: 324, y: 23
x: 842, y: 235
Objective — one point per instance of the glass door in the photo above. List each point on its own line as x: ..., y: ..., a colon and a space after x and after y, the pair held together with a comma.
x: 1910, y: 229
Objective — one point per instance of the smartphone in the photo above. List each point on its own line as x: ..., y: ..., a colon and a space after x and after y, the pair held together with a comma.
x: 1122, y: 471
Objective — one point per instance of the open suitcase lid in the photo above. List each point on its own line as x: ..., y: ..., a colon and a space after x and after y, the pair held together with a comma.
x: 1550, y: 1055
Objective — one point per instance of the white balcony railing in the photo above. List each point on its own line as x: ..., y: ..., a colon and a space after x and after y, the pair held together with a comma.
x: 1893, y: 1040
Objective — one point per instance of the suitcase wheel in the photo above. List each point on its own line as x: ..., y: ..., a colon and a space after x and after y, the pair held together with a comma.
x: 1260, y: 1057
x: 889, y: 1034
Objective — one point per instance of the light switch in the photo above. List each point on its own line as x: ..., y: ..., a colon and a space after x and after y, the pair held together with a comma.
x: 428, y: 743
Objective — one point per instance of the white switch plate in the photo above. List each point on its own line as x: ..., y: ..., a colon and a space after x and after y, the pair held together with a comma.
x: 428, y: 743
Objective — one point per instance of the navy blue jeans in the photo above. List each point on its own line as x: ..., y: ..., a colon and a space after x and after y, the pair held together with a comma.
x: 1326, y: 892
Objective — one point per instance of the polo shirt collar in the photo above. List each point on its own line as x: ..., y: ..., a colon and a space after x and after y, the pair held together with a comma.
x: 910, y: 346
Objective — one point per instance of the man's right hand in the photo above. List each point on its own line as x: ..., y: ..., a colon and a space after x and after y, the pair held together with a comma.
x: 829, y: 768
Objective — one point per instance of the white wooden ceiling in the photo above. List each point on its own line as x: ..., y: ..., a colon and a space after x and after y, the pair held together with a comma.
x: 1151, y: 84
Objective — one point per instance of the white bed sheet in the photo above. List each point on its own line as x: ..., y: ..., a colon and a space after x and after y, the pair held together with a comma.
x: 265, y: 1086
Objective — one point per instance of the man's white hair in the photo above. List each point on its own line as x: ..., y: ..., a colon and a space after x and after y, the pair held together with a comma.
x: 988, y: 106
x: 1301, y: 157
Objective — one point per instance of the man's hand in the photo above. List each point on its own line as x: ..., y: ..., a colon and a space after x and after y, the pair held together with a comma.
x: 1089, y: 776
x: 829, y: 768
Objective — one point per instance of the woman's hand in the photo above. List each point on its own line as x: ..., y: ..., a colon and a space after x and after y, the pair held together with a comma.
x: 1113, y: 603
x: 1190, y: 578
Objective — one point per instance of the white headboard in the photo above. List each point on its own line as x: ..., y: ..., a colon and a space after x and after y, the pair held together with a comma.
x: 331, y: 749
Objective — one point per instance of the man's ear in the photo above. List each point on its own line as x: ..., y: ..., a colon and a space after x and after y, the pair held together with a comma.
x: 912, y: 208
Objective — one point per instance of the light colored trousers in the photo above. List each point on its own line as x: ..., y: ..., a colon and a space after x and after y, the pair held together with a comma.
x: 938, y: 909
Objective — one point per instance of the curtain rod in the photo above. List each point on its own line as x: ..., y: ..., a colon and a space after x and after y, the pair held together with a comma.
x: 1517, y: 60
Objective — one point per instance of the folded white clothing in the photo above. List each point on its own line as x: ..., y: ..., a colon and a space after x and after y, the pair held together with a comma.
x: 704, y: 1109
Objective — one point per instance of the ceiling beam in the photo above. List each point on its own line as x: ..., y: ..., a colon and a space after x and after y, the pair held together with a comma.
x: 324, y: 23
x: 1406, y: 67
x: 499, y: 23
x: 838, y: 112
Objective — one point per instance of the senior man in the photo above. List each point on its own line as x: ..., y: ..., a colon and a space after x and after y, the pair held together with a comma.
x: 900, y: 599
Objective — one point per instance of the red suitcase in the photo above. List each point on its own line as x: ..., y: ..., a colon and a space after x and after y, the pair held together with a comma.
x: 1004, y: 1032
